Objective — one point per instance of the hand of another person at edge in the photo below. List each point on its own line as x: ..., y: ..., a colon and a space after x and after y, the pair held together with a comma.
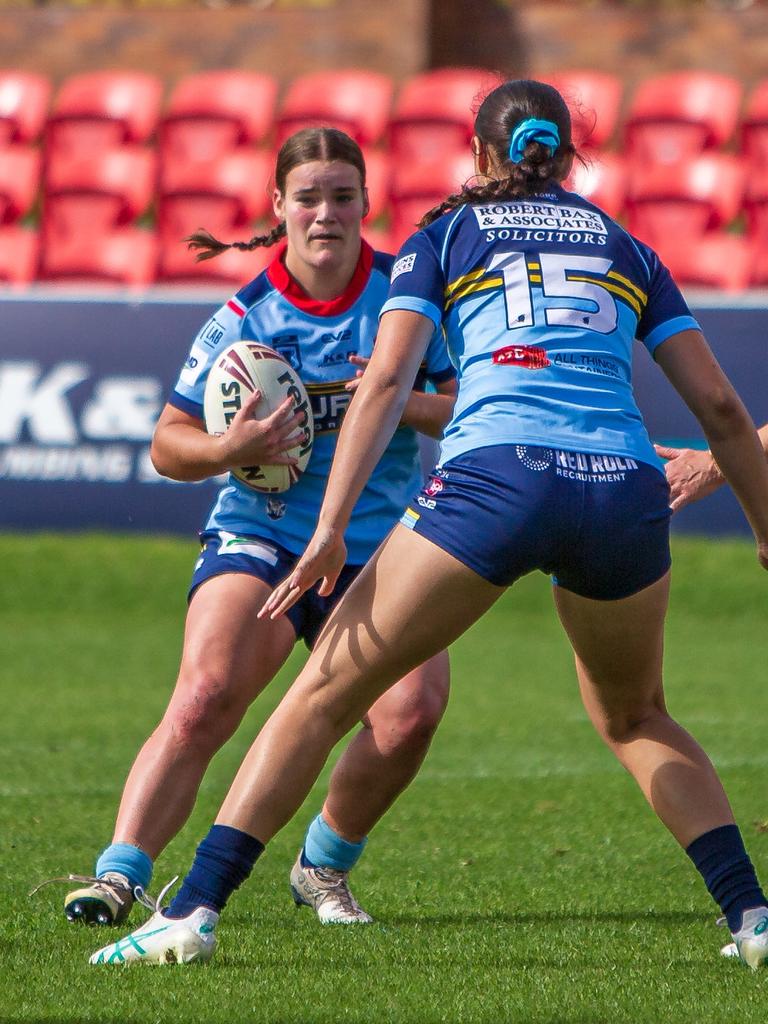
x: 250, y: 441
x: 691, y: 474
x: 361, y: 362
x: 324, y: 558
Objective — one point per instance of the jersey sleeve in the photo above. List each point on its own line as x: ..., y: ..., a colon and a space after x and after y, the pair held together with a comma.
x: 438, y: 366
x: 666, y: 311
x: 417, y: 282
x: 222, y: 329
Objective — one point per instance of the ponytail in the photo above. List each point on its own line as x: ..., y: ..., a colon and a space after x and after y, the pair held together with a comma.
x: 210, y: 247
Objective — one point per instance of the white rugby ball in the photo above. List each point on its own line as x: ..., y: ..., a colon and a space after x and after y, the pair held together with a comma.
x: 239, y: 370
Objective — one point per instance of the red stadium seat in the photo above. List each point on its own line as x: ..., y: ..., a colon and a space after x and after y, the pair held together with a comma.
x: 435, y: 112
x: 594, y: 99
x: 24, y: 100
x: 716, y: 260
x: 125, y: 256
x: 677, y: 115
x: 178, y: 265
x: 19, y: 182
x: 754, y: 126
x: 417, y: 187
x: 213, y: 112
x: 86, y: 195
x: 223, y: 195
x: 103, y: 109
x: 19, y: 255
x: 602, y: 181
x: 685, y: 199
x: 358, y: 102
x: 381, y: 241
x: 378, y: 177
x: 759, y: 276
x: 756, y: 206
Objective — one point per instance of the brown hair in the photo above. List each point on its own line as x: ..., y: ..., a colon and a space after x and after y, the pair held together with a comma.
x: 498, y: 116
x: 300, y: 148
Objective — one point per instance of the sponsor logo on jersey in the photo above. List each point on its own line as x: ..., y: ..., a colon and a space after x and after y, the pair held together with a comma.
x: 331, y: 336
x: 434, y: 487
x: 529, y: 357
x: 231, y: 544
x: 212, y: 333
x: 429, y: 503
x: 287, y: 345
x: 547, y: 216
x: 337, y: 358
x: 275, y: 508
x: 194, y: 365
x: 403, y: 266
x: 328, y: 410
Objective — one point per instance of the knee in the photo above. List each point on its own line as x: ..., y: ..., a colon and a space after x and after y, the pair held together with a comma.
x: 411, y: 726
x: 623, y: 727
x: 204, y: 714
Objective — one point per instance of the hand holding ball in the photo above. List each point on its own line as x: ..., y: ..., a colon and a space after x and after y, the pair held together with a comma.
x: 240, y: 372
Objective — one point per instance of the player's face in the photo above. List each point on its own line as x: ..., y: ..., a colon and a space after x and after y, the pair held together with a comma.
x: 323, y: 206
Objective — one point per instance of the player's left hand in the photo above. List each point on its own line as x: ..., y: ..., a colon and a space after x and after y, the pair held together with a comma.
x: 691, y: 474
x: 324, y: 558
x: 361, y: 362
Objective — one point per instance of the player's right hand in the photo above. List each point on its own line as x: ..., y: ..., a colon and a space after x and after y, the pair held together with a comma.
x: 250, y: 441
x: 324, y: 558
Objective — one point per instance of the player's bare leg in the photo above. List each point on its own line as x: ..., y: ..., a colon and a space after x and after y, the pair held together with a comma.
x: 377, y: 635
x: 379, y: 763
x: 618, y: 646
x: 229, y: 656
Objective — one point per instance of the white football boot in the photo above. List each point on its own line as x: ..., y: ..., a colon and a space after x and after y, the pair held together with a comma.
x: 750, y: 942
x: 165, y: 940
x: 327, y: 892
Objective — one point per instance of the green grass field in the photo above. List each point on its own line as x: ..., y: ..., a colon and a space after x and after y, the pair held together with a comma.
x: 521, y: 878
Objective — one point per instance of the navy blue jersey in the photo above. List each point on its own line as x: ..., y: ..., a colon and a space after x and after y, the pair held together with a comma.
x: 317, y: 338
x: 540, y: 299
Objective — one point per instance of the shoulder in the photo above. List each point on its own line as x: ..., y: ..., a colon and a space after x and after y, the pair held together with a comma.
x: 253, y: 292
x: 382, y: 263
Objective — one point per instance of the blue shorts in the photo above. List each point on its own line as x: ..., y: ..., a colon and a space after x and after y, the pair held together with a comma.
x: 599, y: 524
x: 225, y: 552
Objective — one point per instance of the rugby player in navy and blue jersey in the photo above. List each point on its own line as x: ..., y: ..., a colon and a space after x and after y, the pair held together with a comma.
x: 317, y: 304
x: 545, y: 465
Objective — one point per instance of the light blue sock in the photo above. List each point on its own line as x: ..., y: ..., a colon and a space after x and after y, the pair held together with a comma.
x: 129, y: 860
x: 324, y: 848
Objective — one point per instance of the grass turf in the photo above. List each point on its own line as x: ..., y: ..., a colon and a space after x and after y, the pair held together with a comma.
x: 521, y: 877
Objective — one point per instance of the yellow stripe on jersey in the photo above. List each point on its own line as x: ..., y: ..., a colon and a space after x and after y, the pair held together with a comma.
x: 622, y: 293
x: 632, y: 287
x: 327, y: 387
x: 464, y: 279
x: 470, y: 289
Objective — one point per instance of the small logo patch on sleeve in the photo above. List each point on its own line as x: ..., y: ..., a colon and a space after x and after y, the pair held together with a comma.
x: 403, y: 266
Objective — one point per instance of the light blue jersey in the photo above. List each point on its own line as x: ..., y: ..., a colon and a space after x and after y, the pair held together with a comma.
x: 541, y: 300
x: 317, y: 339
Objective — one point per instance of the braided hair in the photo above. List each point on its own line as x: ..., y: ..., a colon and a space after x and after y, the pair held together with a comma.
x: 499, y: 114
x: 302, y: 147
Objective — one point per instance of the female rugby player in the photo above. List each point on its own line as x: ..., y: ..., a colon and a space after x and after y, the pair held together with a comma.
x: 318, y: 304
x: 545, y: 465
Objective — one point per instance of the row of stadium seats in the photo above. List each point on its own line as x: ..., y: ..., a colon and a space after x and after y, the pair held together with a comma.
x: 138, y: 257
x: 667, y: 117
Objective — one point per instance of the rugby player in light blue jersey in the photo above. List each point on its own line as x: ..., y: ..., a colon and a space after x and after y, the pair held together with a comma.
x: 545, y: 465
x: 317, y: 304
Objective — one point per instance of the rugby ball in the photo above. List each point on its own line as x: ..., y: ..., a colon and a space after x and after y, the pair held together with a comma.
x: 238, y: 371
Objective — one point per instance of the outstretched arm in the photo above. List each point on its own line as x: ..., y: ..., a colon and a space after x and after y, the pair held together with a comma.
x: 368, y: 426
x: 692, y: 369
x: 693, y: 474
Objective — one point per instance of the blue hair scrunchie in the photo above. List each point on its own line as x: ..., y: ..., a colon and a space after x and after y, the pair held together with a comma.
x: 531, y: 130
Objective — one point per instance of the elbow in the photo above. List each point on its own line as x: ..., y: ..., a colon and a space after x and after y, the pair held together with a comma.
x: 159, y: 461
x: 723, y: 413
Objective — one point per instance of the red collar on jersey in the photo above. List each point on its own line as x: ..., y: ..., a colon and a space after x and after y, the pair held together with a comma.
x: 287, y: 285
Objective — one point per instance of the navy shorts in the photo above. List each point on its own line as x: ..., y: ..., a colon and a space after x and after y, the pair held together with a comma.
x: 226, y: 552
x: 599, y: 524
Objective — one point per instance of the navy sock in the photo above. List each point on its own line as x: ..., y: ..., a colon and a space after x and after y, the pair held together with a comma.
x: 223, y: 861
x: 724, y: 864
